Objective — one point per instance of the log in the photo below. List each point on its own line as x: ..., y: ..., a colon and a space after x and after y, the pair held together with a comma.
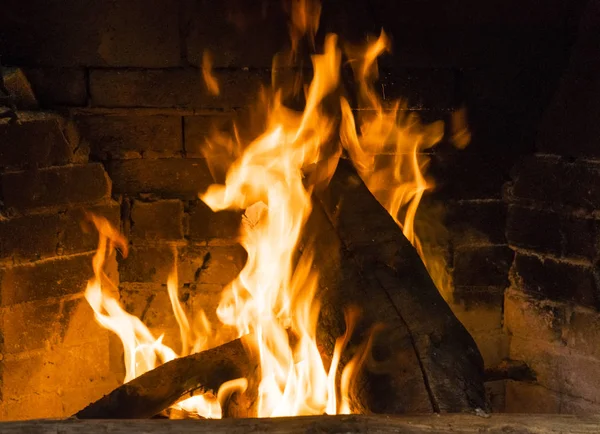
x: 455, y: 423
x: 158, y: 389
x: 424, y: 340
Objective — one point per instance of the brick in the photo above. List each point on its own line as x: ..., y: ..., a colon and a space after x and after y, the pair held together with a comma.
x: 249, y: 33
x: 74, y: 399
x: 477, y: 222
x: 465, y: 34
x: 493, y: 346
x: 473, y: 173
x: 117, y: 136
x: 45, y: 279
x: 29, y: 237
x: 559, y: 370
x: 534, y: 229
x: 173, y: 88
x: 532, y: 318
x: 77, y: 235
x: 556, y: 280
x: 479, y: 318
x: 570, y: 405
x: 496, y: 394
x: 168, y: 177
x: 531, y: 398
x: 58, y: 86
x: 19, y: 88
x: 198, y: 129
x: 582, y: 333
x: 151, y: 304
x: 528, y: 174
x: 562, y: 182
x: 45, y: 371
x: 419, y: 88
x: 31, y: 326
x: 33, y: 406
x: 55, y: 186
x: 36, y: 141
x: 482, y: 266
x: 570, y: 125
x: 78, y: 325
x: 581, y: 237
x: 205, y: 302
x: 207, y: 225
x: 161, y: 220
x: 147, y: 264
x: 212, y: 265
x: 87, y: 33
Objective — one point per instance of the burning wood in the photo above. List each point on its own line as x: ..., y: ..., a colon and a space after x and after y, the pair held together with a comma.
x: 164, y: 386
x: 415, y: 354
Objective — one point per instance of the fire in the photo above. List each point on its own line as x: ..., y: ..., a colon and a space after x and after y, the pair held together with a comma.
x: 389, y: 151
x: 272, y: 301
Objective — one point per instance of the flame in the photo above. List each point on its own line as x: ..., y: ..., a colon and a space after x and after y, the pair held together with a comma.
x: 212, y: 85
x: 273, y: 299
x: 389, y: 151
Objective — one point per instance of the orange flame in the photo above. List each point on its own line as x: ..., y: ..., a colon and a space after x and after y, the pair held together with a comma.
x: 273, y: 297
x: 388, y: 151
x: 209, y: 79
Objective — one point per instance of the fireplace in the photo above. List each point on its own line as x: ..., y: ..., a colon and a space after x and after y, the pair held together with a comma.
x: 114, y: 106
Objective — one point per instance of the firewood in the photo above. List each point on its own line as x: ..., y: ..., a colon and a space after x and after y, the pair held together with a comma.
x: 158, y: 389
x: 382, y: 272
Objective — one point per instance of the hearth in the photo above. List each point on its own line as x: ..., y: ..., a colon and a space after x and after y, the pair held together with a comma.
x: 397, y: 221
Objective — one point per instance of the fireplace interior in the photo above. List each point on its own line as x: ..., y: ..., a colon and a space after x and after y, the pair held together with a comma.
x: 107, y: 111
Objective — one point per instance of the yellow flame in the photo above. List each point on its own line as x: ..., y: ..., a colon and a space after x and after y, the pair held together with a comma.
x: 388, y: 150
x: 273, y: 297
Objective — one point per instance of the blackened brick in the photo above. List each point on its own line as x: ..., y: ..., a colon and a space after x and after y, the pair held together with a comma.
x: 482, y: 266
x: 147, y: 264
x: 477, y: 222
x: 555, y: 181
x: 581, y: 237
x: 161, y: 220
x: 173, y: 88
x: 116, y: 136
x: 198, y: 128
x: 29, y: 237
x: 58, y: 86
x: 168, y: 177
x: 556, y: 280
x: 419, y: 88
x: 212, y: 265
x: 534, y: 229
x: 46, y: 279
x: 55, y: 186
x: 249, y: 33
x: 205, y: 224
x: 36, y: 141
x: 89, y: 33
x: 538, y: 178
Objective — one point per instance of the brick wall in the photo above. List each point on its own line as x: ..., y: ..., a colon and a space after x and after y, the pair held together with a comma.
x: 133, y: 112
x: 551, y: 309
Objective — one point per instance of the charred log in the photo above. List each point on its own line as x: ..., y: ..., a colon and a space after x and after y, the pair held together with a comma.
x: 424, y: 352
x: 158, y: 389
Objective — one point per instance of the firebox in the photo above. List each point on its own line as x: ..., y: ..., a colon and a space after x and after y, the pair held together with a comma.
x: 261, y: 209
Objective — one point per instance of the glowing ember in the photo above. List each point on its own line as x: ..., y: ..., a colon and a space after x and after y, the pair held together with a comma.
x: 273, y: 297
